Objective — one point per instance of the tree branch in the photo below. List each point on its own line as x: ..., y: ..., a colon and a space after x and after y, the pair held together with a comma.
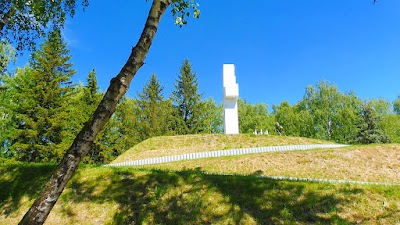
x: 6, y: 18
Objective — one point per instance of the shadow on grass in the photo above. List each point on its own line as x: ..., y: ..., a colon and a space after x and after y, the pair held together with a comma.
x: 193, y: 197
x: 186, y: 197
x: 21, y: 180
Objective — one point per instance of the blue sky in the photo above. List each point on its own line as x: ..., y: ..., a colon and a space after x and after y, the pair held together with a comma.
x: 277, y: 46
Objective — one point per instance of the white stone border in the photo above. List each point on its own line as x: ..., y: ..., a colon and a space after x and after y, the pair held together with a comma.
x: 221, y: 153
x: 307, y: 179
x: 243, y: 151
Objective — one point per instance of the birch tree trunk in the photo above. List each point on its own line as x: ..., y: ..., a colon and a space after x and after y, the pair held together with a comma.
x: 42, y: 206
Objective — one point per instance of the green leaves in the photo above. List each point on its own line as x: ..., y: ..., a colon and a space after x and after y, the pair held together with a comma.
x: 254, y: 117
x: 182, y: 9
x: 396, y: 105
x: 22, y: 22
x: 7, y: 55
x: 326, y: 113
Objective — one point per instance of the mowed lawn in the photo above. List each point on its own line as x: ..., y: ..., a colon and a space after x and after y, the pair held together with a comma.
x: 174, y: 145
x: 186, y: 193
x: 375, y: 163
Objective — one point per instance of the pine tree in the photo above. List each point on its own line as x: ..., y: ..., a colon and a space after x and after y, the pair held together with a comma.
x: 188, y: 107
x: 84, y: 102
x: 43, y: 94
x: 91, y: 91
x: 154, y: 111
x: 369, y: 131
x: 119, y: 134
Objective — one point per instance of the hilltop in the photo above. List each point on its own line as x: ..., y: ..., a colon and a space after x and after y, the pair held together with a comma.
x: 173, y: 145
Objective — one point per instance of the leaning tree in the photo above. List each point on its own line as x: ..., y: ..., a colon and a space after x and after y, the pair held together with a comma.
x: 42, y: 206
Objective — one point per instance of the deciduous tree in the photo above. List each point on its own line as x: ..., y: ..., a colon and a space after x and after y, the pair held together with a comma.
x: 212, y: 117
x: 390, y: 124
x: 286, y: 116
x: 334, y: 114
x: 254, y: 117
x: 22, y: 22
x: 7, y: 55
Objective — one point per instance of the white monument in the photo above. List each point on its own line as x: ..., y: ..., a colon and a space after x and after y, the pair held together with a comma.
x: 231, y: 95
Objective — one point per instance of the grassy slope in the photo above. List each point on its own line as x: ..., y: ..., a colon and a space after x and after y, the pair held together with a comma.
x: 103, y: 195
x: 122, y: 195
x: 376, y: 163
x: 172, y: 145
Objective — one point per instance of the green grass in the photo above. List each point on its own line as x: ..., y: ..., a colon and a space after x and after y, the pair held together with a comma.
x: 375, y: 163
x: 103, y: 195
x: 186, y: 194
x: 173, y: 145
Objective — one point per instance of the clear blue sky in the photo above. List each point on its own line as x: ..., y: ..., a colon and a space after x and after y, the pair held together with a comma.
x: 277, y: 46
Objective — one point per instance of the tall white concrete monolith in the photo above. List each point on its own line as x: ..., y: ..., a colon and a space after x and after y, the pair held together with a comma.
x: 231, y: 95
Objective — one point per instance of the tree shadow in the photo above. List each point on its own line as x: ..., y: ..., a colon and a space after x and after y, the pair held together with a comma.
x: 21, y: 180
x: 270, y: 201
x: 193, y: 197
x: 185, y: 197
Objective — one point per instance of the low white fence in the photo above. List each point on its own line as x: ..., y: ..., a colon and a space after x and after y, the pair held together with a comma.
x: 307, y: 179
x: 220, y: 153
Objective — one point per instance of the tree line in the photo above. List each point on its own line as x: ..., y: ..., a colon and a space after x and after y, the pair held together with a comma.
x: 328, y: 114
x: 42, y: 111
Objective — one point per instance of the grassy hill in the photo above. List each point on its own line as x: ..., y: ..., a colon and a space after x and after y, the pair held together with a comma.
x: 173, y: 145
x: 186, y: 194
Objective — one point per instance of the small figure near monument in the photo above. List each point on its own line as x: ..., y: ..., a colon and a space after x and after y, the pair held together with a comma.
x: 231, y: 95
x: 279, y: 129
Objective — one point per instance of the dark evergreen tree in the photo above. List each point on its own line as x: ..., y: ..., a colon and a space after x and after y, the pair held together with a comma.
x: 369, y: 131
x: 119, y: 134
x: 83, y: 103
x: 188, y: 107
x: 91, y: 96
x: 42, y: 95
x: 396, y: 106
x: 154, y: 112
